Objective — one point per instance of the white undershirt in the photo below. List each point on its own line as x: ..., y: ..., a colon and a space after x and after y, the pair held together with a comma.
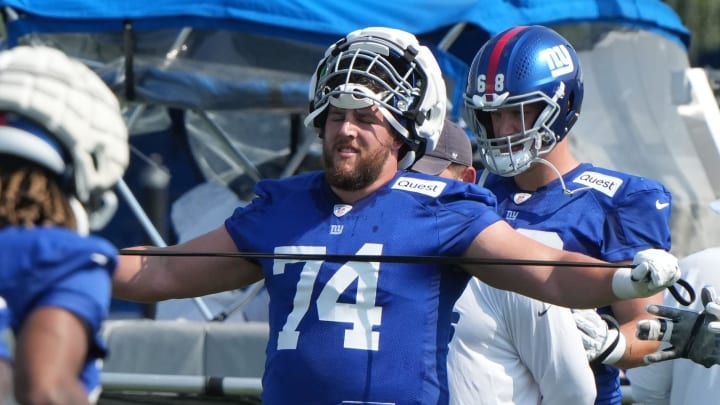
x: 503, y: 352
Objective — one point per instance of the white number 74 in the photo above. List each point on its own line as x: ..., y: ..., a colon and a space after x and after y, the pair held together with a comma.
x: 363, y: 314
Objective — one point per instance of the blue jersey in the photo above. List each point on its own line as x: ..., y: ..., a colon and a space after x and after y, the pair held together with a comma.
x: 360, y: 332
x: 611, y: 216
x: 42, y: 267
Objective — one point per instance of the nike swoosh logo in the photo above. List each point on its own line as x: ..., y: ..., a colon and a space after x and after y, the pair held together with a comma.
x: 544, y: 311
x: 660, y: 205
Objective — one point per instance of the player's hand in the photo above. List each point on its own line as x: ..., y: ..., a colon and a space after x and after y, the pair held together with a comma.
x: 653, y: 270
x: 712, y: 307
x: 601, y: 338
x: 693, y: 335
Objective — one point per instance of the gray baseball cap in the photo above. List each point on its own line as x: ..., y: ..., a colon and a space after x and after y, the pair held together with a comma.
x: 453, y: 147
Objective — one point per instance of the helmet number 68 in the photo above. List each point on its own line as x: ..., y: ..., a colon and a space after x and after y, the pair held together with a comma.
x: 499, y: 83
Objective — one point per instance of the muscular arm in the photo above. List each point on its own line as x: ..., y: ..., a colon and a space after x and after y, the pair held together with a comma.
x: 157, y: 278
x: 573, y: 287
x: 628, y: 313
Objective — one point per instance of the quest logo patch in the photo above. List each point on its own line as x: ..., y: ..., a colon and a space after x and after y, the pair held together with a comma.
x: 603, y: 183
x: 428, y: 187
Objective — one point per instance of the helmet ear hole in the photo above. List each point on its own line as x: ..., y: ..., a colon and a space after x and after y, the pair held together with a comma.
x: 94, y: 159
x: 573, y: 113
x: 571, y: 120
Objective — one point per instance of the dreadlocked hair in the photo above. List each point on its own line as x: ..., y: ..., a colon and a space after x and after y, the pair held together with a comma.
x: 32, y: 196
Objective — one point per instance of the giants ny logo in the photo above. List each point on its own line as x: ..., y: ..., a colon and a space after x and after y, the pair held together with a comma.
x: 336, y: 229
x: 558, y: 60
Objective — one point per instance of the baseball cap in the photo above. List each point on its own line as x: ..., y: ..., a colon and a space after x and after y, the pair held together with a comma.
x: 453, y: 147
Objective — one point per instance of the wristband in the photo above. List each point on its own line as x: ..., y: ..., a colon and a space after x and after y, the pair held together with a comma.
x: 616, y: 351
x: 622, y: 284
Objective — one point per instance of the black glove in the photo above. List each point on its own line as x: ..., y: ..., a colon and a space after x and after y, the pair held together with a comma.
x: 692, y: 335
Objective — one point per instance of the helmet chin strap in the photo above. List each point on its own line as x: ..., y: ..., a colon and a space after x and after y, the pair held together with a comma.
x: 566, y: 191
x: 96, y: 219
x: 82, y: 225
x: 407, y: 160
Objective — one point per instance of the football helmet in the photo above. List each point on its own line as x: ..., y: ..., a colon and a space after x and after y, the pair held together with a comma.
x: 388, y: 68
x: 517, y: 67
x: 59, y: 114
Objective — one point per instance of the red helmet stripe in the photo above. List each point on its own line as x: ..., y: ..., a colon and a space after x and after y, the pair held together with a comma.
x: 497, y: 52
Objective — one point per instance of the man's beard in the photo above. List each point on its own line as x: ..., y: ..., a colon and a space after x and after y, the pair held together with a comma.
x: 365, y: 172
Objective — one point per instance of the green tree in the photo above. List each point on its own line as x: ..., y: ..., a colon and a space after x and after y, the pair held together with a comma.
x: 702, y: 17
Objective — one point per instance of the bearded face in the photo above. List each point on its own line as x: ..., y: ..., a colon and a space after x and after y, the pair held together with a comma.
x: 357, y: 174
x: 357, y: 144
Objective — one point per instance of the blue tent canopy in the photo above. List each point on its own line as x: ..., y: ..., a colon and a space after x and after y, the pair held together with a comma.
x: 222, y: 65
x: 324, y: 21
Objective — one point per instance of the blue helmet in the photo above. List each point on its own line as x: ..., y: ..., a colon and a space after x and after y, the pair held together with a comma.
x: 517, y: 67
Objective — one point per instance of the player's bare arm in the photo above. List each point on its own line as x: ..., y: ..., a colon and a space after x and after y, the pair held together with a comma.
x: 564, y: 285
x: 610, y: 339
x: 501, y: 241
x: 156, y: 278
x: 628, y: 313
